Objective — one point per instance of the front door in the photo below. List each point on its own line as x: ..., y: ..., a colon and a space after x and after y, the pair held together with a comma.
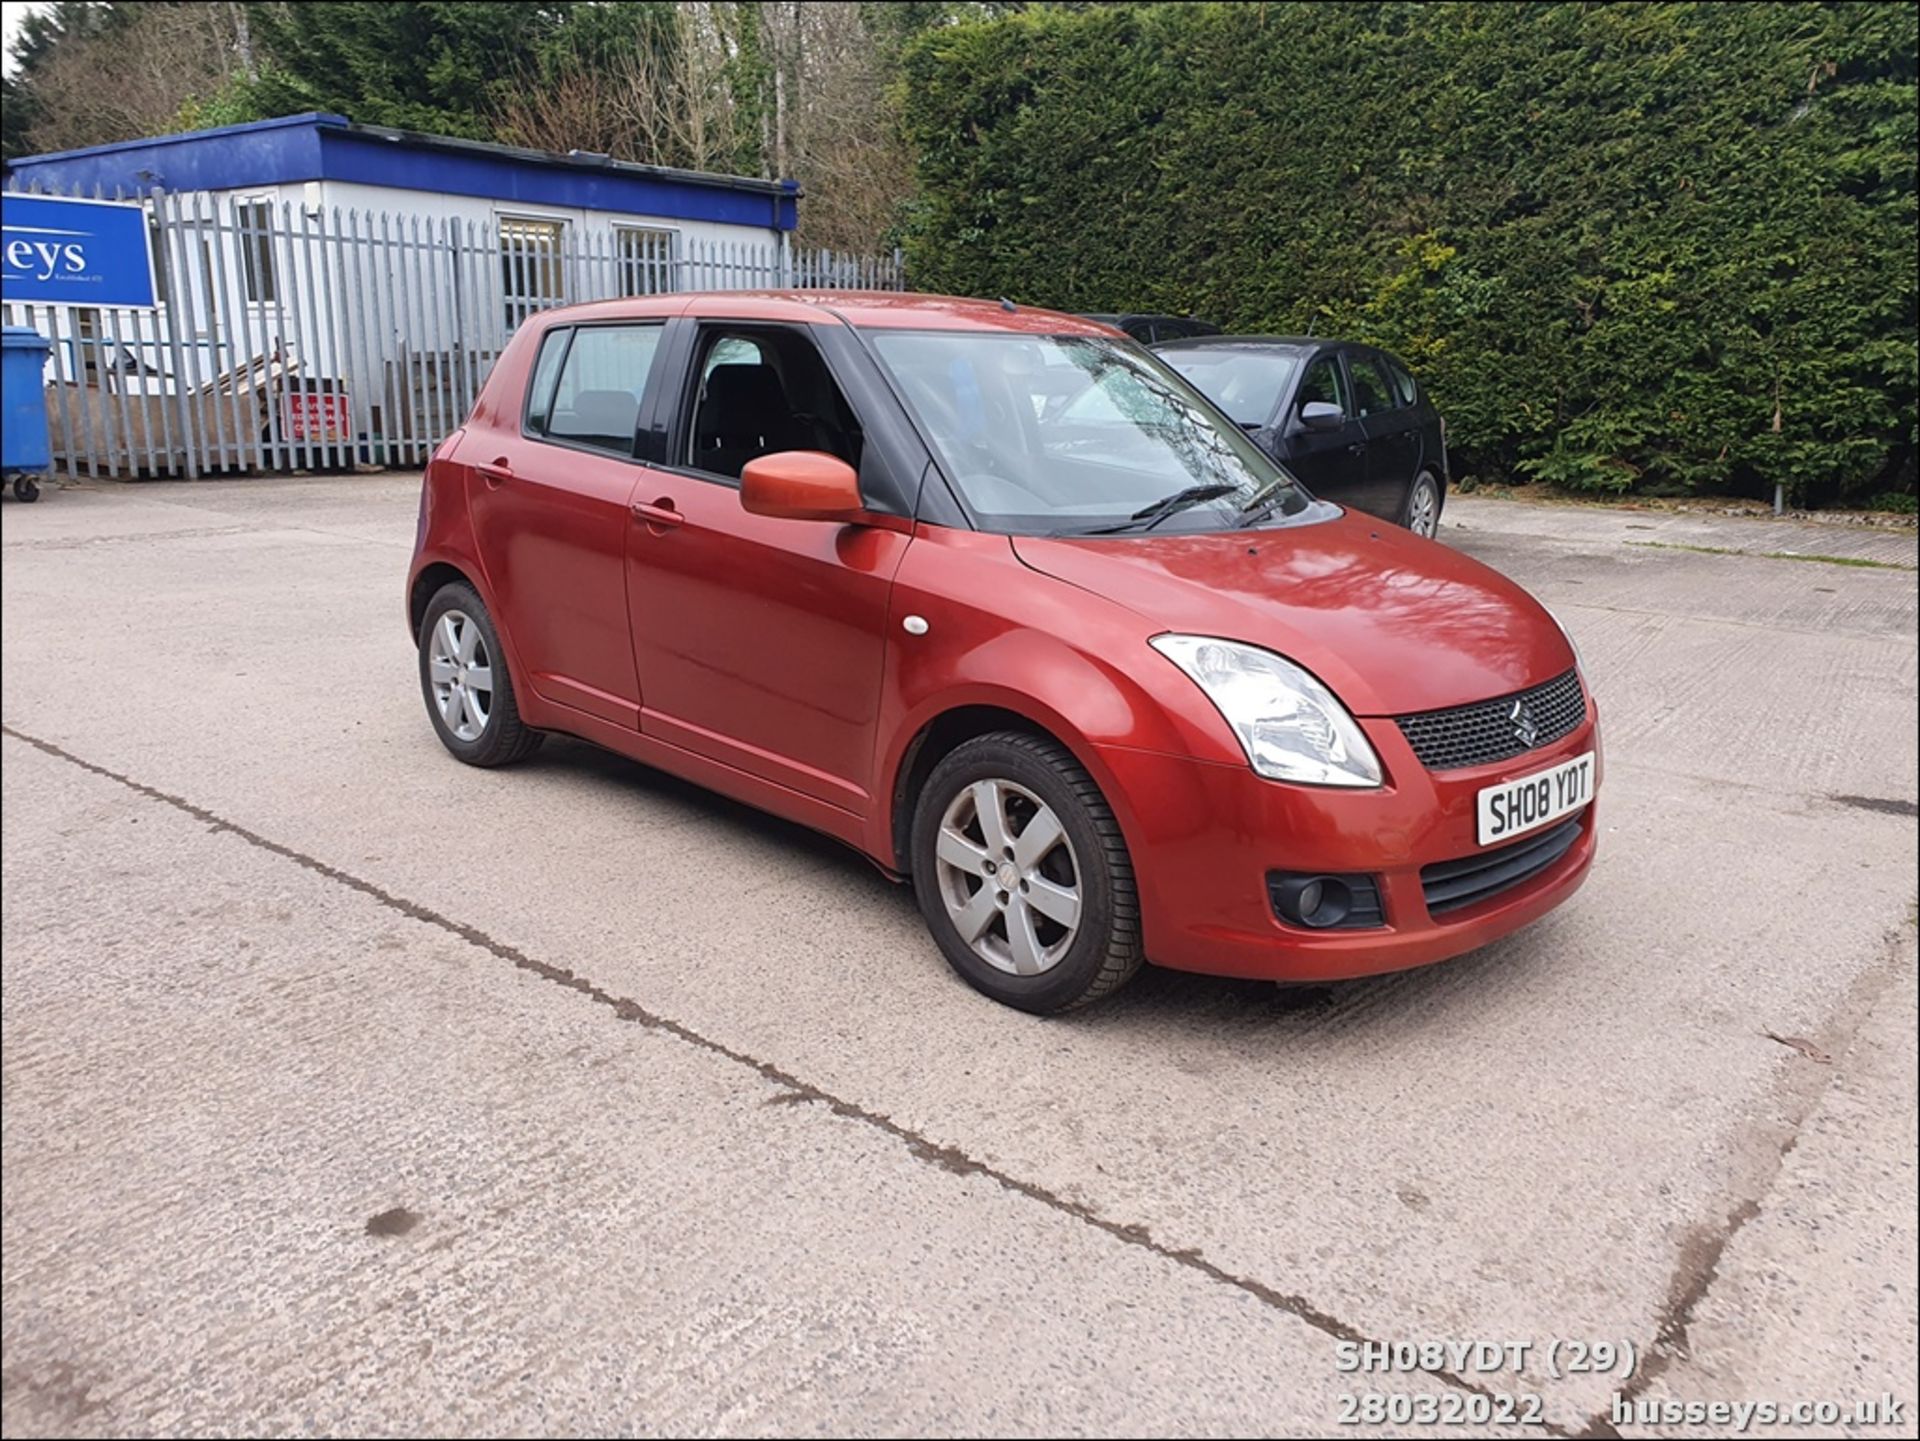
x: 760, y: 642
x: 549, y: 494
x: 1331, y: 463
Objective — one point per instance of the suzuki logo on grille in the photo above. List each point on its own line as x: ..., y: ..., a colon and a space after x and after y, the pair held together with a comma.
x: 1524, y: 730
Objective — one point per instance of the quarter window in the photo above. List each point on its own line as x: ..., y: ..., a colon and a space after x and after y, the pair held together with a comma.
x: 546, y: 370
x: 596, y: 401
x: 1402, y: 383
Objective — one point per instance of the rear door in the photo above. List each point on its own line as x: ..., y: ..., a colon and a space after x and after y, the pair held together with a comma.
x: 1393, y: 434
x: 549, y: 501
x: 1331, y: 463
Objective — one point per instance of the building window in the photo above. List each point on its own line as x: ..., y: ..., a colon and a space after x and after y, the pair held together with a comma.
x: 530, y: 268
x: 256, y: 251
x: 162, y: 286
x: 646, y: 260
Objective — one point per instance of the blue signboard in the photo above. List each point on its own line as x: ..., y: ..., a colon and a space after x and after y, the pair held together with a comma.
x: 74, y: 252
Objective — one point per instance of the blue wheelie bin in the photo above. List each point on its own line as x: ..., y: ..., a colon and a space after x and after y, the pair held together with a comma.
x: 26, y: 453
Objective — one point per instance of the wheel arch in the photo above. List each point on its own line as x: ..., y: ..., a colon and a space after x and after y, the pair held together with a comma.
x: 957, y: 724
x: 426, y: 584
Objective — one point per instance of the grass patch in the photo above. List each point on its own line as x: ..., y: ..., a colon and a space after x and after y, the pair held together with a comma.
x: 1858, y: 562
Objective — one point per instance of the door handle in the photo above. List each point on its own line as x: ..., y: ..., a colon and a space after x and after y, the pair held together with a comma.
x: 659, y: 515
x: 1357, y: 447
x: 496, y: 472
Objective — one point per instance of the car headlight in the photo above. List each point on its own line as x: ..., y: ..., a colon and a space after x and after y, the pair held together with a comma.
x: 1291, y: 726
x: 1579, y: 661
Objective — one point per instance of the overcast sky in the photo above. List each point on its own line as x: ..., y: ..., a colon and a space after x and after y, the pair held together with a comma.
x: 10, y: 17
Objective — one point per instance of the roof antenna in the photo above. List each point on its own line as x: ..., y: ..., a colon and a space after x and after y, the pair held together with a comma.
x: 1007, y: 305
x: 1311, y: 323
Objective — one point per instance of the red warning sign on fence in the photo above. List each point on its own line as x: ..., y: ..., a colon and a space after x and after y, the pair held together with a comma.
x: 317, y: 418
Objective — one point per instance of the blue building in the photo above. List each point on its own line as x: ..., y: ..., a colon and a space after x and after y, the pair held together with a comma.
x: 309, y: 255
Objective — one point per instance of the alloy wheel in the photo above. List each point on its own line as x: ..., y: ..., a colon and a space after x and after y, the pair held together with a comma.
x: 1008, y: 877
x: 1423, y: 508
x: 461, y: 670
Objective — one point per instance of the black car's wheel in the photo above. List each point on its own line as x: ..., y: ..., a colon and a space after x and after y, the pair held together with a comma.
x: 1420, y: 512
x: 1023, y: 876
x: 463, y: 675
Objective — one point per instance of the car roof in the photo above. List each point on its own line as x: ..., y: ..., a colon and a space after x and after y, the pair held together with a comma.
x: 1293, y: 343
x: 866, y: 309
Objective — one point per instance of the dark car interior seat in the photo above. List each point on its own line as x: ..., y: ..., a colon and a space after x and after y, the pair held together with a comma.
x: 745, y: 412
x: 604, y: 418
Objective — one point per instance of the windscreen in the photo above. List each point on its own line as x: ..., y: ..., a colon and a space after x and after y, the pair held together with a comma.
x: 1079, y: 434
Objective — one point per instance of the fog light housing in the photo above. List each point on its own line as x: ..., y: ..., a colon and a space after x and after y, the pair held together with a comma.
x: 1321, y: 902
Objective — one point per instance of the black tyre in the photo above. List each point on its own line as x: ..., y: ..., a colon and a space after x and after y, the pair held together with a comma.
x: 1420, y: 511
x: 463, y: 675
x: 1023, y: 876
x: 26, y: 488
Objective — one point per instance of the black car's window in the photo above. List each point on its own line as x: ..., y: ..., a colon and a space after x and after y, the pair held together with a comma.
x: 597, y: 402
x: 762, y: 392
x: 1324, y: 383
x: 1078, y: 434
x: 546, y: 370
x: 1371, y: 392
x: 1247, y: 384
x: 1402, y: 383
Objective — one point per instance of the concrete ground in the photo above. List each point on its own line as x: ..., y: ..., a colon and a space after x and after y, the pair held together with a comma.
x: 350, y: 1089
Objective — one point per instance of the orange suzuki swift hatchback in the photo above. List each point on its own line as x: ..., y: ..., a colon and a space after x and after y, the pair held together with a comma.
x: 995, y: 597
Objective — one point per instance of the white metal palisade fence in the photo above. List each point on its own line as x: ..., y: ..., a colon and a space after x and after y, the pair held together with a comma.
x: 288, y: 339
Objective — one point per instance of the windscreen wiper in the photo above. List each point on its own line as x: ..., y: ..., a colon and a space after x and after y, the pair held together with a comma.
x: 1261, y: 505
x: 1148, y: 516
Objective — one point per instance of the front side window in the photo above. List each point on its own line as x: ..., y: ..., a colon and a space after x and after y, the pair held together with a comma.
x: 599, y: 387
x: 1247, y: 384
x: 1079, y: 434
x: 765, y: 392
x: 1324, y: 384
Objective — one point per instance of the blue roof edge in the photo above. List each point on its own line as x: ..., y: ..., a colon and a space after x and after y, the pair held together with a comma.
x: 250, y: 127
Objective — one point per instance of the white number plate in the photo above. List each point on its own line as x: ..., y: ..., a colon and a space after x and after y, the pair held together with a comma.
x: 1513, y: 808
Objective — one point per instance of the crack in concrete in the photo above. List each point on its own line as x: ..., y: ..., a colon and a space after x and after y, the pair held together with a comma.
x: 1884, y: 805
x: 792, y: 1090
x: 1701, y: 1252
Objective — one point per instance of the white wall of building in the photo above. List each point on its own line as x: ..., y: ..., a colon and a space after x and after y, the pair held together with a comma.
x: 394, y: 295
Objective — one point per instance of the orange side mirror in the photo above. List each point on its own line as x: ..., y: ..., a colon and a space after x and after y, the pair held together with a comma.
x: 801, y: 485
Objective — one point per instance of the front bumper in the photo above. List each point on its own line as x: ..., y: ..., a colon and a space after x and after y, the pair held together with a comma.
x: 1203, y: 837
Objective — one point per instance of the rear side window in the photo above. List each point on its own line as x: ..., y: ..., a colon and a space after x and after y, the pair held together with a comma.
x: 1370, y: 388
x: 602, y: 381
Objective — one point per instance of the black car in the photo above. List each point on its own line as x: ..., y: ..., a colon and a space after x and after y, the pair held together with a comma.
x: 1149, y: 329
x: 1349, y: 420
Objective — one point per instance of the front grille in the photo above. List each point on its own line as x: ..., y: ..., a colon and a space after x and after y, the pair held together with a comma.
x: 1449, y: 885
x: 1485, y: 732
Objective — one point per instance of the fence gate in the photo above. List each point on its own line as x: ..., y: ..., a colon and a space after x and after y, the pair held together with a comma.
x: 287, y: 338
